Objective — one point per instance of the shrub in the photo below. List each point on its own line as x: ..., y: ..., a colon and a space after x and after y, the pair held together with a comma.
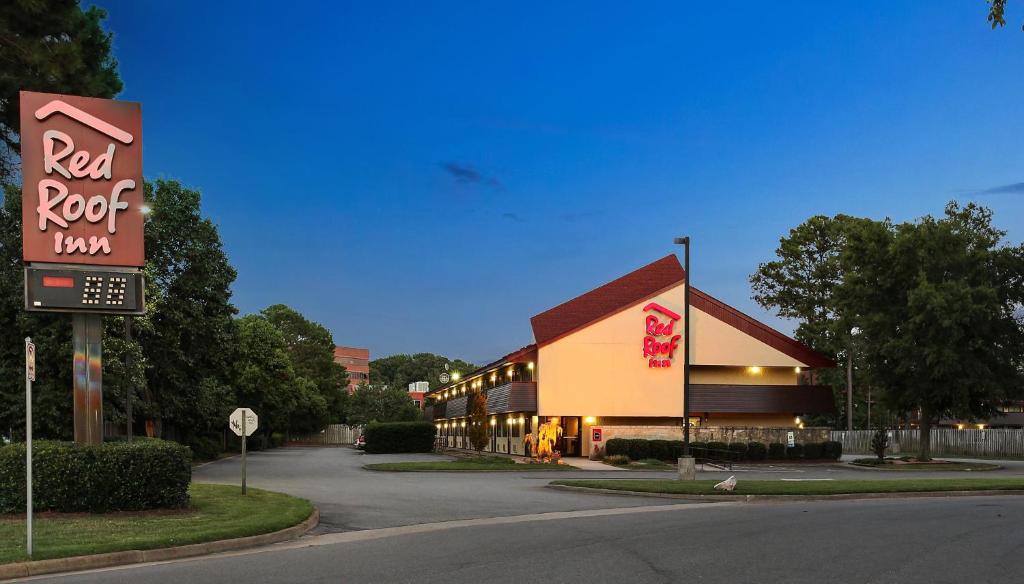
x: 276, y: 440
x: 699, y: 449
x: 617, y: 459
x: 795, y: 451
x: 776, y: 451
x: 737, y: 450
x: 832, y: 450
x: 879, y: 443
x: 717, y: 450
x: 617, y: 447
x: 116, y: 476
x: 638, y: 449
x: 756, y: 451
x: 205, y: 448
x: 660, y: 450
x: 390, y: 437
x: 676, y: 446
x: 812, y: 450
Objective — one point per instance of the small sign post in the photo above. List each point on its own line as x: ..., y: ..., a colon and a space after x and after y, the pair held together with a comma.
x: 30, y: 376
x: 243, y: 422
x: 790, y: 439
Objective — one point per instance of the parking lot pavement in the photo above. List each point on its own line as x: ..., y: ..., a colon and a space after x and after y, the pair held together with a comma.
x: 350, y: 497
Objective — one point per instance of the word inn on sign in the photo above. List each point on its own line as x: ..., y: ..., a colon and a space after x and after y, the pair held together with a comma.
x: 82, y: 170
x: 659, y: 343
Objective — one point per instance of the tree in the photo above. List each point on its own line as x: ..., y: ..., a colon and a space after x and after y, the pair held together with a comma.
x: 478, y: 420
x: 801, y: 285
x: 262, y: 375
x: 938, y: 302
x: 401, y: 370
x: 381, y: 403
x: 50, y: 46
x: 188, y: 346
x: 311, y: 350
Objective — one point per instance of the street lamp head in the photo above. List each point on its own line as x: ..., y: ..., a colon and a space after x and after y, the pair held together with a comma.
x: 681, y: 240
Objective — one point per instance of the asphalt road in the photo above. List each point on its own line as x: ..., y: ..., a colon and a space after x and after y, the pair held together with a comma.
x: 507, y: 527
x: 953, y: 540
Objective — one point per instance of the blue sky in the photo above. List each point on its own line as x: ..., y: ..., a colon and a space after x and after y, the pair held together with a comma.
x: 425, y: 176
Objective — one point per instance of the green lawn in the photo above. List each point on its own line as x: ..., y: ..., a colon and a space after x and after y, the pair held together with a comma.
x: 480, y: 464
x: 646, y: 464
x: 800, y: 487
x: 216, y: 512
x: 892, y: 464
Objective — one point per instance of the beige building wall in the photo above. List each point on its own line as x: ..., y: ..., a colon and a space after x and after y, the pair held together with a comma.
x: 601, y: 370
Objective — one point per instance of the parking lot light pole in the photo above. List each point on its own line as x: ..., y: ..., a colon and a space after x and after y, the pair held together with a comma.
x: 687, y: 468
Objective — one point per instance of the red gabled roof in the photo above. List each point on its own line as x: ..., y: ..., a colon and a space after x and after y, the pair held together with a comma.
x: 647, y: 282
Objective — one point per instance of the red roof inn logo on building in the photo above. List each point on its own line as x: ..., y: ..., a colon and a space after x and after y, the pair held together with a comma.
x: 82, y: 173
x: 660, y: 344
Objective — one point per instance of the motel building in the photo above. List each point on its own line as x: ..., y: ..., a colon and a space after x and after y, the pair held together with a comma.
x: 608, y: 364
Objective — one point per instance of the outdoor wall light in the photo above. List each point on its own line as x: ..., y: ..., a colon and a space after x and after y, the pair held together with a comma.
x: 463, y: 423
x: 494, y: 422
x: 522, y: 420
x: 590, y: 419
x: 796, y: 369
x: 754, y: 370
x: 494, y: 376
x: 510, y: 421
x: 510, y: 373
x: 455, y: 376
x: 530, y: 365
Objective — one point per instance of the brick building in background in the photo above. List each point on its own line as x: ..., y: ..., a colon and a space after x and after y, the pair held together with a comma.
x: 356, y: 362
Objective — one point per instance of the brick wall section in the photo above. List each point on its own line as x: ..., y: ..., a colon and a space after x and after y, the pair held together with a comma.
x: 708, y: 434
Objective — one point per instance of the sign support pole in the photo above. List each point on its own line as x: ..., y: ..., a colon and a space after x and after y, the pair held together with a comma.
x: 243, y: 453
x: 687, y: 465
x: 29, y: 376
x: 87, y: 341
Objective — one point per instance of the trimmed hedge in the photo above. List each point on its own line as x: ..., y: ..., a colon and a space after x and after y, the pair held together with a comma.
x: 638, y: 449
x: 660, y: 449
x: 392, y: 437
x: 756, y: 451
x: 795, y: 451
x: 617, y: 447
x: 832, y: 450
x: 812, y: 450
x: 114, y: 476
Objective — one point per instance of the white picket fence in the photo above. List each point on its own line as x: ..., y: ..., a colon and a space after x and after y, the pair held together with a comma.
x: 332, y: 435
x: 997, y: 443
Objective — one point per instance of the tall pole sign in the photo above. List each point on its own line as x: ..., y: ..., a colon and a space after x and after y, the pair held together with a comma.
x: 82, y: 226
x: 30, y: 376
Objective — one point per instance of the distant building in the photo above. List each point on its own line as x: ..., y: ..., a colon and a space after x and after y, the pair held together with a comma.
x: 356, y: 362
x: 417, y: 389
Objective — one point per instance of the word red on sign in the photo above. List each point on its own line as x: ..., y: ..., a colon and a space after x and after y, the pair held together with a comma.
x: 659, y: 352
x: 82, y: 180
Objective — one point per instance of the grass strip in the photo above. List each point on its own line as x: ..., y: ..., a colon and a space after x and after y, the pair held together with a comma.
x: 481, y: 464
x: 744, y: 487
x: 216, y: 512
x: 932, y: 466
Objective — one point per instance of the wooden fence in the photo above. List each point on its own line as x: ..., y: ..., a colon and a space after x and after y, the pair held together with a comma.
x: 997, y: 443
x: 332, y: 435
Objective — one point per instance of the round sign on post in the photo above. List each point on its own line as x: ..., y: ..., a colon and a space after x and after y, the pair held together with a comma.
x: 252, y: 421
x: 444, y: 378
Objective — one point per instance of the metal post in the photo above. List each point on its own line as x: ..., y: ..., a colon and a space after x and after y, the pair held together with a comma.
x: 849, y: 389
x: 28, y: 455
x: 129, y: 386
x: 244, y: 416
x: 687, y: 469
x: 87, y: 341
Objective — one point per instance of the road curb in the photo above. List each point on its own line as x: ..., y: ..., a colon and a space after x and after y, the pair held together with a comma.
x: 109, y: 560
x: 759, y: 498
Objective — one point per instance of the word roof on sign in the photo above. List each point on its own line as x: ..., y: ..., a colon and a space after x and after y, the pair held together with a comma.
x: 659, y: 341
x: 82, y: 180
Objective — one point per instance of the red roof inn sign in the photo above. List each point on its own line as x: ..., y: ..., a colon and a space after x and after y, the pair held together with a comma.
x: 82, y: 200
x: 659, y: 343
x: 82, y: 169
